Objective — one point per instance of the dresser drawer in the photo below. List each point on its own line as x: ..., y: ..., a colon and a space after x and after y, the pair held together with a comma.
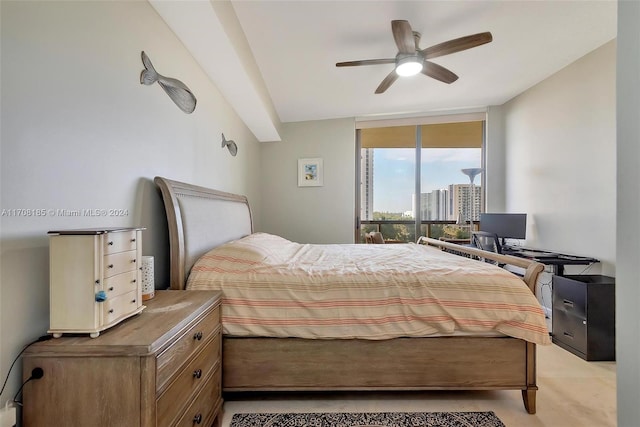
x: 201, y: 412
x: 182, y: 390
x: 571, y: 330
x: 119, y: 242
x: 188, y: 344
x: 120, y: 263
x: 115, y: 308
x: 570, y: 296
x: 121, y: 284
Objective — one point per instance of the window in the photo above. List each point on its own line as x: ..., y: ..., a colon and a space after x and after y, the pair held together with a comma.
x: 410, y: 178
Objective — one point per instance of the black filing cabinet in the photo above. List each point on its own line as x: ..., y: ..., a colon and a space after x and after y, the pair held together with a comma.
x: 584, y: 312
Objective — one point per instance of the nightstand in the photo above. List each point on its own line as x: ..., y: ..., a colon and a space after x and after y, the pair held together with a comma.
x: 159, y: 368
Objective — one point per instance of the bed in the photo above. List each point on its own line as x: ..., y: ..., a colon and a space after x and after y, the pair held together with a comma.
x: 203, y: 221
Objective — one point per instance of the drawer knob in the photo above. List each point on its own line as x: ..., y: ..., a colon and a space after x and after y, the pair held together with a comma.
x: 133, y: 281
x: 133, y: 260
x: 111, y: 311
x: 111, y: 288
x: 110, y: 243
x: 133, y: 301
x: 197, y: 373
x: 567, y: 303
x: 110, y: 266
x: 197, y: 419
x: 197, y: 336
x: 133, y: 240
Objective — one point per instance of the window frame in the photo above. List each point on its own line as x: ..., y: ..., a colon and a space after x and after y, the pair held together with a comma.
x: 418, y: 146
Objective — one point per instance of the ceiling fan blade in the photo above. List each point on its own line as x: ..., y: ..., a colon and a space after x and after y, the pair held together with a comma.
x: 403, y: 35
x: 456, y: 45
x: 438, y: 72
x: 388, y: 81
x: 366, y: 62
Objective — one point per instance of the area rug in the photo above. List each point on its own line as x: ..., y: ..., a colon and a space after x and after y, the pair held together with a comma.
x: 379, y: 419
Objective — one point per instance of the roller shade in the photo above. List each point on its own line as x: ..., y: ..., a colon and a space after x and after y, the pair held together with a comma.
x: 440, y: 135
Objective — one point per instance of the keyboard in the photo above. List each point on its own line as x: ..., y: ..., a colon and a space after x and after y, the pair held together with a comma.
x: 537, y: 254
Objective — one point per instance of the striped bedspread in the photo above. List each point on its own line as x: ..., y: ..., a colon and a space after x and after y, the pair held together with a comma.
x: 277, y: 288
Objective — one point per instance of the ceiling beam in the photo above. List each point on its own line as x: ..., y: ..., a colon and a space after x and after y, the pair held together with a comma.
x: 212, y: 34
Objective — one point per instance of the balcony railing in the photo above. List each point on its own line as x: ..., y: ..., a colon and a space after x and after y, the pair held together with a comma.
x: 403, y: 231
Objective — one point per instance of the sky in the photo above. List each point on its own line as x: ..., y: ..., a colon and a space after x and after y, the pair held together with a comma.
x: 394, y: 173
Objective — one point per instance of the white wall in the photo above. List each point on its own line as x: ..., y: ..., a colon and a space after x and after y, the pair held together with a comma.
x: 628, y: 245
x: 560, y: 142
x: 311, y: 214
x: 79, y: 131
x: 494, y: 153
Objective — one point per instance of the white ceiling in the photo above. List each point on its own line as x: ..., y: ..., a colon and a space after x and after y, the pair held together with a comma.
x: 293, y: 47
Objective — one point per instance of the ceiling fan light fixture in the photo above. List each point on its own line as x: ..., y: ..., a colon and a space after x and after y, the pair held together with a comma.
x: 411, y: 60
x: 409, y: 66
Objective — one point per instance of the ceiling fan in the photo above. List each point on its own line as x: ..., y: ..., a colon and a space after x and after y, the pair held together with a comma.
x: 411, y: 60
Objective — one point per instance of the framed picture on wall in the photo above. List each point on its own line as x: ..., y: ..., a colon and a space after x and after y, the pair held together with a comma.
x: 310, y: 173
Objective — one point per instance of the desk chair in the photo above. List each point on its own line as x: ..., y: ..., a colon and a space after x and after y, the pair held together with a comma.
x: 487, y: 242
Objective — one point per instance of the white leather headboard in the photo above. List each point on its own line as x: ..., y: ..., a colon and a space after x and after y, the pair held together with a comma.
x: 200, y: 219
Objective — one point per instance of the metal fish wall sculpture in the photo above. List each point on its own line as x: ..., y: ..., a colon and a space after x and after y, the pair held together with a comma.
x: 177, y: 91
x: 231, y: 146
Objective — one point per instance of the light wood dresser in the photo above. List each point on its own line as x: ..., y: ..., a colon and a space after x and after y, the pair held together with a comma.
x: 160, y: 368
x: 95, y: 279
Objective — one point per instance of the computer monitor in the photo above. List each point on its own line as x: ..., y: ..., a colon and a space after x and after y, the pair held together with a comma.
x: 505, y: 225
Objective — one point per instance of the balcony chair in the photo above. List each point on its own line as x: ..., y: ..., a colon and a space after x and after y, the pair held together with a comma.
x: 374, y: 237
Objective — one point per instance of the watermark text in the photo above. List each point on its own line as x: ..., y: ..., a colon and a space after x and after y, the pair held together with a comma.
x: 58, y: 212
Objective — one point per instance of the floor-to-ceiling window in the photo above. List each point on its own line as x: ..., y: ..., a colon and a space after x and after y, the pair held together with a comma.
x: 387, y: 181
x: 446, y: 193
x: 410, y: 180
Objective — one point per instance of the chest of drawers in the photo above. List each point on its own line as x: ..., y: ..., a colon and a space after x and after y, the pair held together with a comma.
x: 584, y: 311
x: 95, y: 279
x: 161, y: 368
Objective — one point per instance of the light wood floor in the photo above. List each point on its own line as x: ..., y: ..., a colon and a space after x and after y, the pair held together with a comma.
x: 572, y: 392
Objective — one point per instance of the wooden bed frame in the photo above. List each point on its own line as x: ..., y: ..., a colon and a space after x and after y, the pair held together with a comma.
x: 200, y: 219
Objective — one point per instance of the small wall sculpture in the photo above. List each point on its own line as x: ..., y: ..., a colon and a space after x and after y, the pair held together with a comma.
x: 177, y: 91
x: 231, y: 145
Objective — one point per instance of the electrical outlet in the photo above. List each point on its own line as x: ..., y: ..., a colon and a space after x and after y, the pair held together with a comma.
x: 8, y: 416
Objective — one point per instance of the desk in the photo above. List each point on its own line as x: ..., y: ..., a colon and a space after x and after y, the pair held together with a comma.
x: 555, y: 259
